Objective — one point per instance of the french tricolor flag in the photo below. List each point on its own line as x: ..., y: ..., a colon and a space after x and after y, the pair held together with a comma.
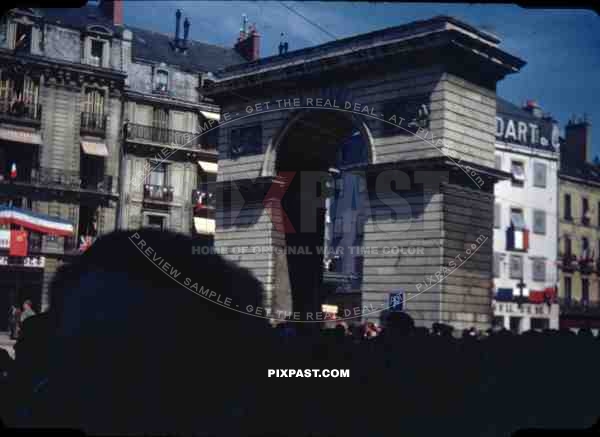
x: 35, y: 221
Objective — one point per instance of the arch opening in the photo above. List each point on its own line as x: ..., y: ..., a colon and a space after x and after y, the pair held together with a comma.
x: 325, y: 203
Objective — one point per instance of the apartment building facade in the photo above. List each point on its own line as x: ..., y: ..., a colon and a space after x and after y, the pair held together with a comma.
x: 88, y: 107
x: 579, y: 230
x: 525, y: 211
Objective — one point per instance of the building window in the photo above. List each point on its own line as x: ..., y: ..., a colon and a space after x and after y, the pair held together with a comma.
x: 539, y: 270
x: 516, y: 267
x: 498, y: 163
x: 568, y: 246
x: 567, y: 290
x: 93, y: 109
x: 585, y: 248
x: 539, y: 222
x: 161, y: 82
x: 498, y: 321
x: 97, y: 50
x: 517, y: 218
x: 497, y: 215
x: 518, y: 173
x: 585, y: 291
x: 23, y: 38
x: 539, y: 323
x: 246, y: 140
x: 155, y: 222
x: 539, y: 174
x: 567, y: 207
x: 585, y: 211
x: 598, y: 214
x: 497, y: 258
x: 157, y: 175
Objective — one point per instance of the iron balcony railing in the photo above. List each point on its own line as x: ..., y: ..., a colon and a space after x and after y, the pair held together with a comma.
x: 94, y: 123
x: 171, y: 137
x: 58, y: 177
x: 20, y: 110
x: 571, y: 305
x: 203, y: 200
x: 163, y: 193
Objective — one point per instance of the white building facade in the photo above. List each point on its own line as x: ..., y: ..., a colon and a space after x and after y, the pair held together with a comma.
x: 525, y: 219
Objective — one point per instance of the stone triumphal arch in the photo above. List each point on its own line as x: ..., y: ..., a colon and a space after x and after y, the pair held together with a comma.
x: 405, y: 117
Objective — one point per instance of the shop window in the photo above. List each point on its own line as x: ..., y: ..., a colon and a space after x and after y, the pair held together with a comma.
x: 518, y: 173
x: 539, y: 323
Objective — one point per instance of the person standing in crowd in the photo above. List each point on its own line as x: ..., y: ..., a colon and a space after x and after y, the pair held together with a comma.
x: 14, y: 321
x: 27, y: 310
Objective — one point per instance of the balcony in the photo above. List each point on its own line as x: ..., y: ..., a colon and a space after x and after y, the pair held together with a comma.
x: 573, y: 306
x: 567, y: 262
x: 162, y: 136
x: 202, y: 200
x: 93, y: 124
x: 59, y: 178
x: 161, y: 193
x: 586, y: 264
x: 21, y: 112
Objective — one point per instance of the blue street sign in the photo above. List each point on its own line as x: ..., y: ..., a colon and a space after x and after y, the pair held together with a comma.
x: 397, y: 300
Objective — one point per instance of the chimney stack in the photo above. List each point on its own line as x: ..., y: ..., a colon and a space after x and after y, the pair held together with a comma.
x: 186, y: 31
x: 177, y: 26
x: 113, y: 9
x: 248, y: 44
x: 578, y: 138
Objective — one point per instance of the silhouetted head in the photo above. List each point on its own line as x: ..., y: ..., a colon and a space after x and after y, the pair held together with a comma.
x: 129, y: 296
x: 399, y: 324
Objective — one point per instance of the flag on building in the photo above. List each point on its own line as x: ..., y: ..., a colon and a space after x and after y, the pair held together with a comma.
x: 18, y: 243
x: 13, y: 170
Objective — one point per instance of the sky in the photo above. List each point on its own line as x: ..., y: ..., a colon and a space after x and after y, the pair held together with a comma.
x: 561, y: 46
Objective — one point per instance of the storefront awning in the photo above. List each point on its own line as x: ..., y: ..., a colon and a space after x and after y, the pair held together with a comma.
x: 204, y: 225
x: 208, y: 167
x: 35, y: 221
x: 211, y: 115
x: 96, y: 149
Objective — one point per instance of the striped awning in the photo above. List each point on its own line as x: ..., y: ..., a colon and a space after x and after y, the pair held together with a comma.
x: 35, y: 221
x: 93, y: 148
x: 208, y: 167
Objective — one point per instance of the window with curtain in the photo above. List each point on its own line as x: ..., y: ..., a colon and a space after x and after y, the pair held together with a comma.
x: 161, y: 81
x: 517, y: 219
x: 157, y: 175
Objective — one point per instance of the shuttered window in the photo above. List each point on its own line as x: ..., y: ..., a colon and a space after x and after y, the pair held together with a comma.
x: 94, y: 101
x: 539, y: 270
x: 516, y: 267
x: 539, y: 222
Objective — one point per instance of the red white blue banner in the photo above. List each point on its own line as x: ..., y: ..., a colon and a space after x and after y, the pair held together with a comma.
x: 35, y: 221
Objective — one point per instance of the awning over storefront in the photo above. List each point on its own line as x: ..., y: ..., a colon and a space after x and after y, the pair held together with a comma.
x: 208, y: 167
x: 211, y: 115
x: 35, y: 221
x: 93, y: 148
x: 204, y: 225
x: 20, y: 136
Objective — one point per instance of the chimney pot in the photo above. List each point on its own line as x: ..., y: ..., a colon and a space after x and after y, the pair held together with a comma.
x: 186, y: 31
x: 177, y: 25
x: 113, y: 9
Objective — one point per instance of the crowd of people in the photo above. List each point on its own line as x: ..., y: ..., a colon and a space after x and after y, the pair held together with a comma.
x: 17, y: 316
x: 108, y: 358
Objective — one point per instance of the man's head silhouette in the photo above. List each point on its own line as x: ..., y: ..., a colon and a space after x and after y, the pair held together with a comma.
x: 133, y: 335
